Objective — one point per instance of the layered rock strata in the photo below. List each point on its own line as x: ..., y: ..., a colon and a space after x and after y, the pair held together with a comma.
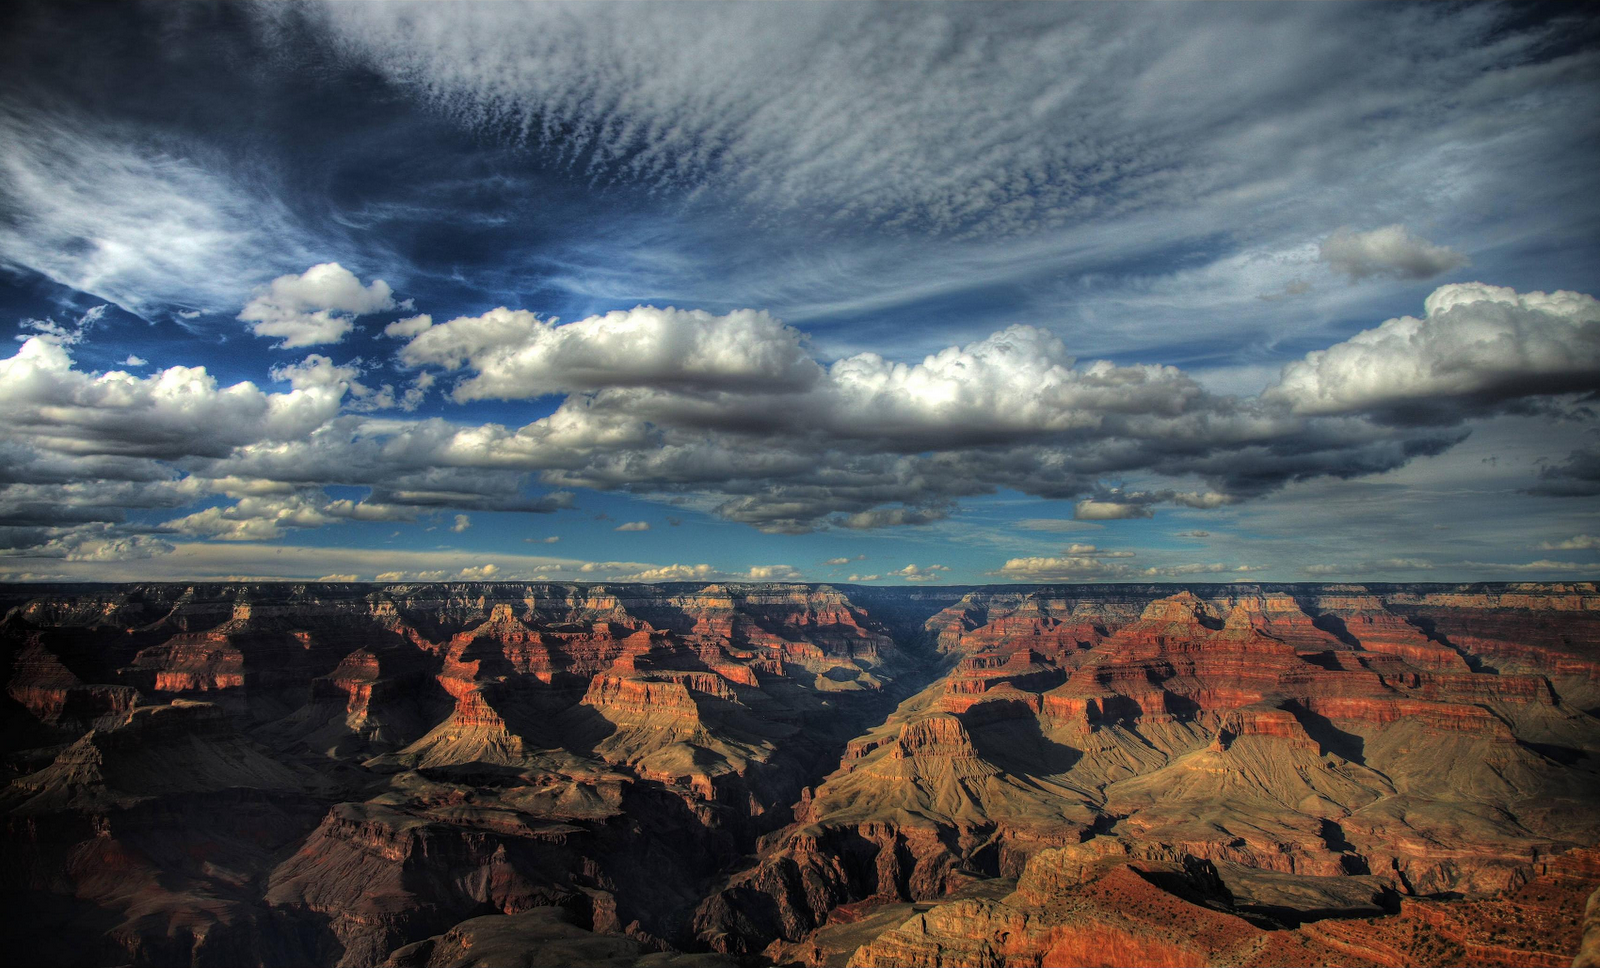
x: 289, y: 774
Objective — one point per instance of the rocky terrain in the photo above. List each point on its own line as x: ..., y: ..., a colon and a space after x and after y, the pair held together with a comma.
x: 690, y: 774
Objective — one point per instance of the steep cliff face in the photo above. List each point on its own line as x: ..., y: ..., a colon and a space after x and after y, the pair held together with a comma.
x: 281, y: 774
x: 1237, y: 726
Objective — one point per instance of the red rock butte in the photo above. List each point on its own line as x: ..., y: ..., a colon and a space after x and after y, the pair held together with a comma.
x: 676, y: 774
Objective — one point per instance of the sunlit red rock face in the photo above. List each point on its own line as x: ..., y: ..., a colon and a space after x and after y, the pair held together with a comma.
x: 442, y: 774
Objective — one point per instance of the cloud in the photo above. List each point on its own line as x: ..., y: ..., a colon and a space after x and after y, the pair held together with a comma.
x: 51, y: 331
x: 1477, y: 349
x: 920, y: 574
x: 551, y: 539
x: 316, y: 306
x: 463, y: 522
x: 999, y: 122
x: 409, y: 327
x: 1542, y: 565
x: 673, y: 572
x: 867, y: 443
x: 864, y: 578
x: 1089, y: 550
x: 1192, y: 534
x: 1576, y: 476
x: 119, y: 212
x: 244, y: 560
x: 341, y: 577
x: 1369, y: 566
x: 1291, y: 289
x: 1388, y: 251
x: 175, y: 412
x: 515, y: 354
x: 262, y: 517
x: 1198, y: 568
x: 134, y: 361
x: 1086, y: 563
x: 1054, y: 524
x: 774, y: 573
x: 633, y: 526
x: 1109, y: 511
x: 891, y: 517
x: 1062, y: 568
x: 844, y: 561
x: 90, y: 543
x: 621, y: 571
x: 1011, y: 410
x: 1579, y: 542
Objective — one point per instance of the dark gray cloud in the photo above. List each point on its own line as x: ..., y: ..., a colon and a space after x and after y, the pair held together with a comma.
x: 1578, y: 475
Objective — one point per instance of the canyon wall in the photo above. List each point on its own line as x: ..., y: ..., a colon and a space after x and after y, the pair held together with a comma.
x: 347, y: 774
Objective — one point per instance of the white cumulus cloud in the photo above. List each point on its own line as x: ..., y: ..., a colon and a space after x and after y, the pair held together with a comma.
x: 1476, y: 348
x: 515, y: 354
x: 316, y: 306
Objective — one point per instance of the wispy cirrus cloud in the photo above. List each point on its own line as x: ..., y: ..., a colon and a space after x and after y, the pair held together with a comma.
x: 105, y: 209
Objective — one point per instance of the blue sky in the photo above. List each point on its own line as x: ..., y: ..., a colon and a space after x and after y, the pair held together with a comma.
x: 843, y: 292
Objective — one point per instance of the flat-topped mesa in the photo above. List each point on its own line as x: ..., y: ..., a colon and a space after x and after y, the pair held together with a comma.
x: 1079, y: 704
x: 192, y: 662
x: 1393, y: 635
x: 273, y: 646
x: 737, y: 668
x: 385, y: 614
x: 1264, y: 721
x: 1055, y: 870
x: 1534, y: 631
x: 350, y: 682
x: 937, y: 736
x: 634, y: 698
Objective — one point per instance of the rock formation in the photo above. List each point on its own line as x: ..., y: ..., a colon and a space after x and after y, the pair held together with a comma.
x: 451, y: 774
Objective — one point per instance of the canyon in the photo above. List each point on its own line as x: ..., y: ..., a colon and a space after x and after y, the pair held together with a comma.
x: 461, y: 774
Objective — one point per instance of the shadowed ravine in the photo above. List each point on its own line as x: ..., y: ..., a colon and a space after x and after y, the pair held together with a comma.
x: 464, y: 774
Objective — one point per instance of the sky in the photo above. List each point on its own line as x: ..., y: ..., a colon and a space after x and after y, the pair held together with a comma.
x: 870, y: 293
